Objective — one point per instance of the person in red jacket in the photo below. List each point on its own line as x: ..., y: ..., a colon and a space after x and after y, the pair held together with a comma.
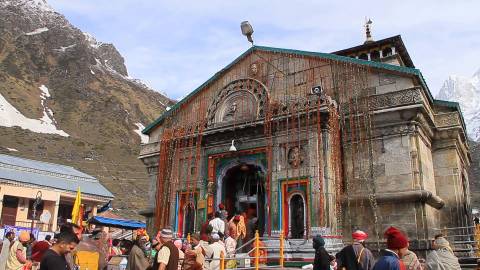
x: 206, y: 228
x: 38, y: 249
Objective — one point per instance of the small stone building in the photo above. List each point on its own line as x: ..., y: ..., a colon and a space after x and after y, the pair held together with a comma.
x: 312, y: 143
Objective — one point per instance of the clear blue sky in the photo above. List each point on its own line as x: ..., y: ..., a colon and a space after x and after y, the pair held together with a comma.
x: 174, y: 46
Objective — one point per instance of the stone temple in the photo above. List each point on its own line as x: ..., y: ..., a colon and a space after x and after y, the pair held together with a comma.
x: 313, y: 143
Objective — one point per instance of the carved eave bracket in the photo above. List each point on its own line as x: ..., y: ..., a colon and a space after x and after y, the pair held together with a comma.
x: 149, y: 150
x: 449, y: 128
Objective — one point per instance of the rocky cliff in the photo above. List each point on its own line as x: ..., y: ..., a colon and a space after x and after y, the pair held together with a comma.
x: 67, y: 98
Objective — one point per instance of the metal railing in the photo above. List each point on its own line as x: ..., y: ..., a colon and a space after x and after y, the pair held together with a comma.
x: 256, y: 254
x: 463, y: 240
x: 28, y: 224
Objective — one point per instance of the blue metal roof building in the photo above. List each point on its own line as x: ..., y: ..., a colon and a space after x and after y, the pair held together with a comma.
x: 50, y: 175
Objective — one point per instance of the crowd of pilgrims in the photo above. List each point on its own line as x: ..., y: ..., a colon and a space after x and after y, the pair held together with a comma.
x: 219, y: 238
x: 74, y: 248
x: 396, y: 256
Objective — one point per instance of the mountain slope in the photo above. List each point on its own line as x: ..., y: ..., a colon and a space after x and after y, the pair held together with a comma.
x: 465, y: 91
x: 69, y: 100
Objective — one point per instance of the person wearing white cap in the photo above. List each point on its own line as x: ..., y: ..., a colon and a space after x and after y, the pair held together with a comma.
x: 167, y: 256
x: 217, y: 248
x: 9, y: 237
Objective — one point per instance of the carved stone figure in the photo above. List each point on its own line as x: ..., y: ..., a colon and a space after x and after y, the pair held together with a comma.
x: 295, y: 157
x: 230, y: 113
x: 211, y: 187
x: 254, y: 69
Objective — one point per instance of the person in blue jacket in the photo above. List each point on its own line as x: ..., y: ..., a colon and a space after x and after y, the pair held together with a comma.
x: 397, y: 246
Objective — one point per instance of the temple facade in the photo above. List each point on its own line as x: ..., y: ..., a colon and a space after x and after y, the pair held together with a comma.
x: 312, y: 143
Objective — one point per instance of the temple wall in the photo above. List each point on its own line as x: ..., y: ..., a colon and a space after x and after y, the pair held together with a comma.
x: 448, y: 177
x: 285, y: 172
x: 403, y: 167
x: 386, y: 83
x: 396, y: 160
x: 425, y: 164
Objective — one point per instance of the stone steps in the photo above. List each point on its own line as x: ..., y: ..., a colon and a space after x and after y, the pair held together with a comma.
x: 300, y: 249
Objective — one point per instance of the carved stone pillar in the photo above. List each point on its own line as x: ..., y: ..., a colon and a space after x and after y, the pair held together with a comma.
x: 326, y: 176
x: 211, y: 185
x: 152, y: 169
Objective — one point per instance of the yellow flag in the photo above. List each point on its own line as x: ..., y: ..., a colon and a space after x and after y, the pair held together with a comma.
x: 76, y: 207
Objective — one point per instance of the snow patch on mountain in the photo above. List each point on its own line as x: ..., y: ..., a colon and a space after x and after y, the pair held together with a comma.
x: 10, y: 117
x: 92, y: 41
x: 143, y: 137
x: 465, y: 91
x: 37, y: 31
x: 63, y: 49
x: 45, y: 92
x: 39, y: 4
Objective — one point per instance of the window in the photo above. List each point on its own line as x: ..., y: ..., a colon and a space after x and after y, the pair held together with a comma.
x: 30, y: 210
x: 65, y: 211
x: 387, y: 52
x: 363, y: 56
x: 374, y: 55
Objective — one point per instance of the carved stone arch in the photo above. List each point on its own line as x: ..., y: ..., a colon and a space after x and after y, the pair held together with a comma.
x: 241, y: 100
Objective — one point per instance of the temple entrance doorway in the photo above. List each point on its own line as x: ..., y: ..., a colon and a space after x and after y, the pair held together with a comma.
x: 297, y: 216
x: 189, y: 219
x: 243, y: 192
x: 186, y: 213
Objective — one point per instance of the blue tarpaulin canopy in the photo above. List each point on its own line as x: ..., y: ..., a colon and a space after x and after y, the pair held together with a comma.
x: 117, y: 223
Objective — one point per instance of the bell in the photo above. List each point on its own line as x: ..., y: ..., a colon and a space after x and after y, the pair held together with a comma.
x: 232, y: 147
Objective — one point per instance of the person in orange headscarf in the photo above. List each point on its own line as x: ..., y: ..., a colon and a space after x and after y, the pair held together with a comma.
x: 17, y: 258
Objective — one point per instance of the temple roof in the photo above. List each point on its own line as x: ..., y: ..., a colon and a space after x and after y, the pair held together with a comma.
x: 395, y: 41
x: 330, y: 56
